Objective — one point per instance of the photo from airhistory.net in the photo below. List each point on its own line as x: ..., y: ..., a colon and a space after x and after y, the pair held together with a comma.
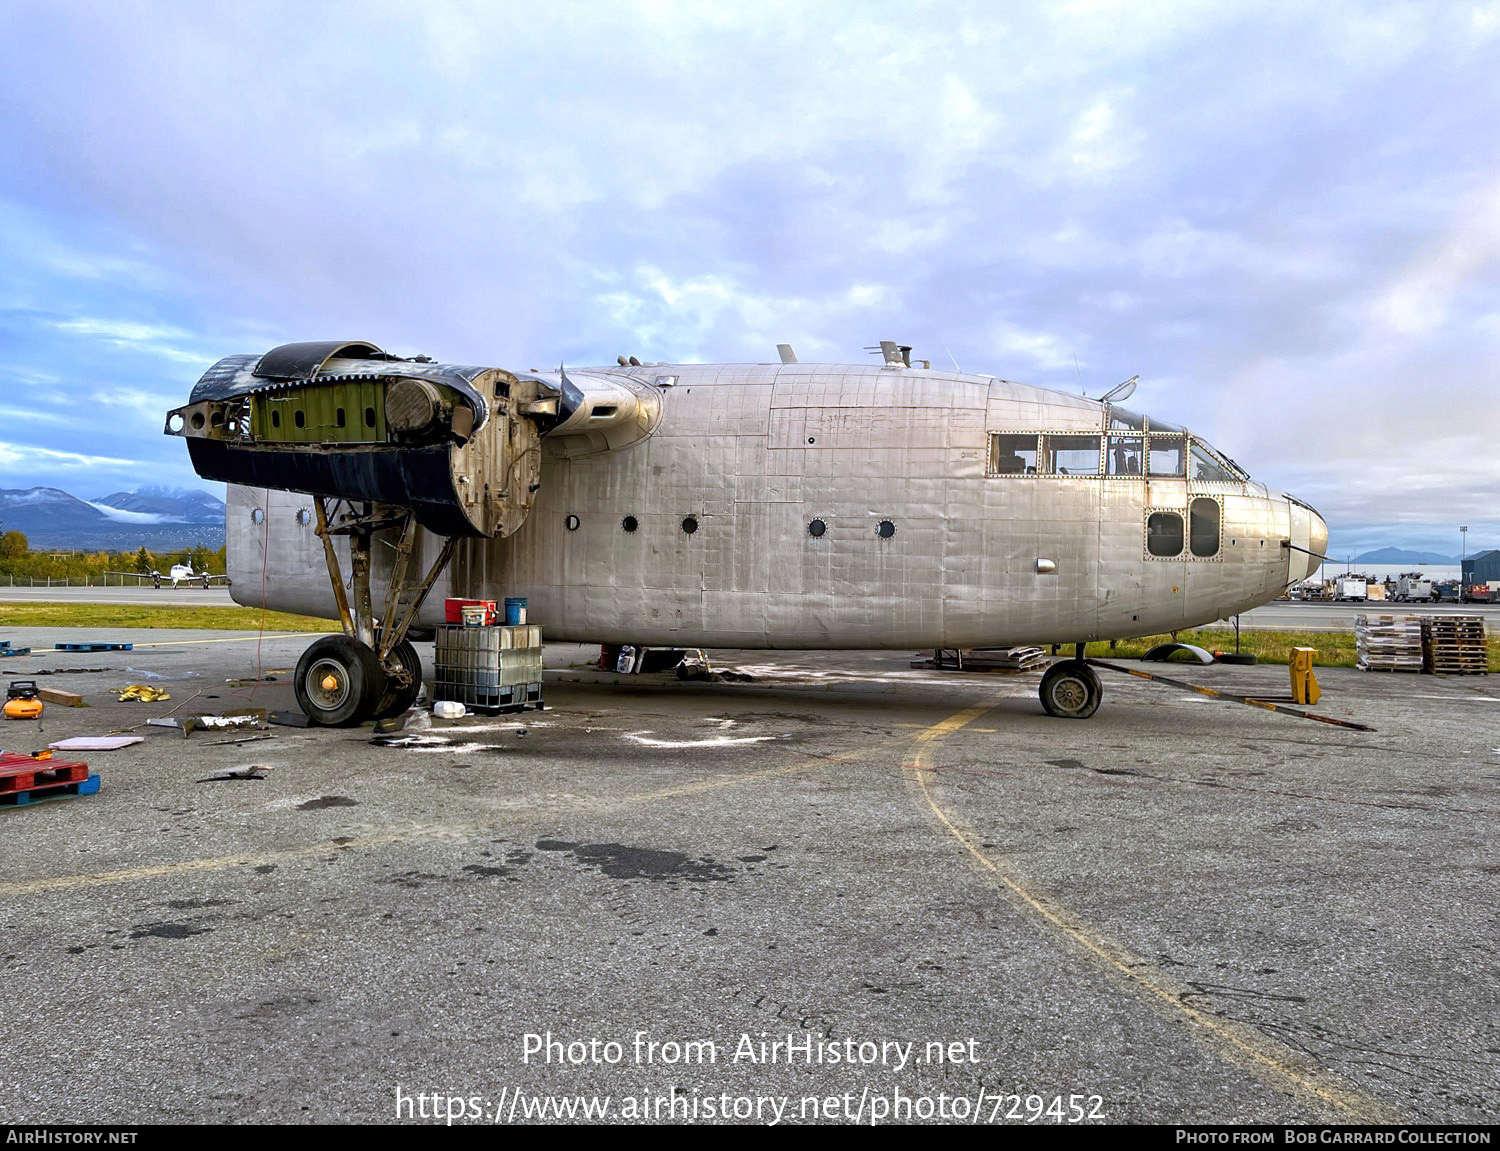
x: 650, y: 563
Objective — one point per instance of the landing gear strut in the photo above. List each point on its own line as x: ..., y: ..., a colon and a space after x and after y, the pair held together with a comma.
x: 371, y: 671
x: 1071, y: 688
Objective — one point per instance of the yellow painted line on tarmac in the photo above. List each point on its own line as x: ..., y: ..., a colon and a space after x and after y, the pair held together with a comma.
x: 1240, y: 1042
x: 234, y: 639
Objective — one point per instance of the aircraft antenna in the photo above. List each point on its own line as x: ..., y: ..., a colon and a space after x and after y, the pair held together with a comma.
x: 1079, y: 372
x: 951, y: 356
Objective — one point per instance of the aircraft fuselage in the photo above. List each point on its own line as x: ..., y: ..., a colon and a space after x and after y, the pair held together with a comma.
x: 828, y: 506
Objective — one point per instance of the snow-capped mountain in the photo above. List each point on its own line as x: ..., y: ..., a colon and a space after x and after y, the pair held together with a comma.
x: 161, y: 518
x: 163, y: 505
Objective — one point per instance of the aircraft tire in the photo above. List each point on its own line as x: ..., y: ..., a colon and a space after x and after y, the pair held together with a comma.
x: 1071, y: 690
x: 338, y: 682
x: 395, y: 699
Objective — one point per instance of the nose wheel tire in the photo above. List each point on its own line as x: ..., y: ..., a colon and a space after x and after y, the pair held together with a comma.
x: 1071, y: 690
x: 397, y: 697
x: 338, y: 682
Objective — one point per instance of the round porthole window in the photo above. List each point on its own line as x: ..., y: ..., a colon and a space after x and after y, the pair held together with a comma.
x: 817, y: 529
x: 630, y: 523
x: 304, y: 516
x: 257, y: 516
x: 571, y: 523
x: 885, y: 529
x: 690, y: 524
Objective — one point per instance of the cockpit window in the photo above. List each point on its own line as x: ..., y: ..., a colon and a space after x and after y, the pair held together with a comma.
x: 1207, y: 465
x: 1124, y: 421
x: 1071, y: 455
x: 1167, y: 458
x: 1126, y: 455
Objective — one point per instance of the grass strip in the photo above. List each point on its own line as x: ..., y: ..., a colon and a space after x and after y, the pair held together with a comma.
x: 87, y: 615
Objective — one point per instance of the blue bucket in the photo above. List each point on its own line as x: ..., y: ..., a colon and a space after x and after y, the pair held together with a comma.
x: 515, y: 610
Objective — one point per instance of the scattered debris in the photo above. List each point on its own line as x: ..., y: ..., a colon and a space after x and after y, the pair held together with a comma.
x: 388, y: 726
x: 162, y: 721
x: 59, y: 670
x: 60, y: 698
x: 142, y: 693
x: 289, y: 719
x: 693, y: 671
x: 1215, y: 693
x: 1162, y: 652
x: 93, y: 647
x: 6, y: 650
x: 252, y: 682
x: 984, y: 659
x: 238, y: 719
x: 411, y: 741
x: 255, y: 771
x: 236, y: 742
x: 96, y: 742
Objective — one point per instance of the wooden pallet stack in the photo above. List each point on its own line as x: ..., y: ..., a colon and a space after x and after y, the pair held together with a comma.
x: 1454, y: 645
x: 1388, y: 643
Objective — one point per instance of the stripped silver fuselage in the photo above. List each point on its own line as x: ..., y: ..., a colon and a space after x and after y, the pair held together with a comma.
x: 755, y: 453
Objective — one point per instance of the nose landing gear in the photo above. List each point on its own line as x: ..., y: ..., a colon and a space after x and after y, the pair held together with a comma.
x: 1071, y: 688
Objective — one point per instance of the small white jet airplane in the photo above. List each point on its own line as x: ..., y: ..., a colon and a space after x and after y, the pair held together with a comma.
x: 179, y: 573
x: 781, y: 505
x: 184, y: 573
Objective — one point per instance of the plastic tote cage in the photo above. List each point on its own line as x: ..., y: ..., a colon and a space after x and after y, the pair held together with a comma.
x: 489, y: 668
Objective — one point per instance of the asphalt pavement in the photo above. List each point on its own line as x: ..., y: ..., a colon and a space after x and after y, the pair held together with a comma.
x: 1180, y: 910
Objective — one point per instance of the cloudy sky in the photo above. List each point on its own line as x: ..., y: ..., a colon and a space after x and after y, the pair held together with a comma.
x: 1284, y: 217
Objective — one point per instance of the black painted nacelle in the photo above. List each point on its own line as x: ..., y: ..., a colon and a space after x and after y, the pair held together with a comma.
x: 458, y: 445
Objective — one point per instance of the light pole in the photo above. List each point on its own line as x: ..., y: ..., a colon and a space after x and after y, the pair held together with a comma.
x: 1463, y: 588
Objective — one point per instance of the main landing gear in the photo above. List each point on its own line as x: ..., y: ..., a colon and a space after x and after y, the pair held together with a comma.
x: 1071, y: 688
x: 371, y: 671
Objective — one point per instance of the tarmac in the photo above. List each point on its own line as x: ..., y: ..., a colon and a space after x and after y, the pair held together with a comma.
x: 1178, y: 911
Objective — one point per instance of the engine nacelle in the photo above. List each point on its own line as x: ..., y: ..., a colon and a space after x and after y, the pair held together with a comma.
x: 460, y: 446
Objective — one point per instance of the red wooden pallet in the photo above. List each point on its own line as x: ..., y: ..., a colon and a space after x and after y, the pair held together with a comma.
x: 22, y: 773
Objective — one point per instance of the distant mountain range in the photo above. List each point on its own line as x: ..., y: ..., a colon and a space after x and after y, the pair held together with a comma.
x: 161, y: 518
x: 1401, y: 556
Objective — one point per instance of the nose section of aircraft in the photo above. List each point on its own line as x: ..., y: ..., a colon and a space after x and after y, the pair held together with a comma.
x: 1309, y: 534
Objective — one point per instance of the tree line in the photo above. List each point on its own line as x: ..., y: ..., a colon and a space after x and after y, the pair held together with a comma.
x: 17, y: 559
